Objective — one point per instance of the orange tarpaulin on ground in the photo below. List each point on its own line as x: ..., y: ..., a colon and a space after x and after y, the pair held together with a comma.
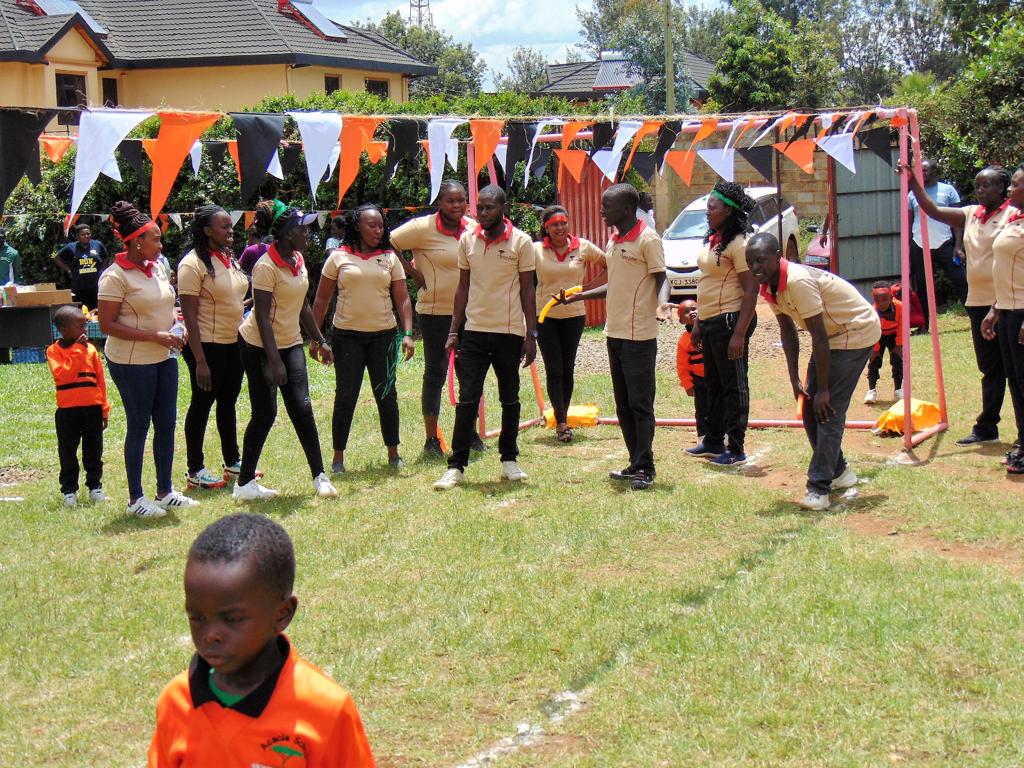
x: 922, y: 415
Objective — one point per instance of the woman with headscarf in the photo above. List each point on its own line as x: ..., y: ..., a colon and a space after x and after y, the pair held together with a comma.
x: 211, y: 289
x: 136, y: 312
x: 273, y: 352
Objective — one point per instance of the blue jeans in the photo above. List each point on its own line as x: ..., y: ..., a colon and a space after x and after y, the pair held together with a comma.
x: 149, y: 394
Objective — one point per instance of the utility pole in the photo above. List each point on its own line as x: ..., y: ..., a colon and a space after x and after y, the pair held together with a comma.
x: 419, y: 13
x: 670, y: 63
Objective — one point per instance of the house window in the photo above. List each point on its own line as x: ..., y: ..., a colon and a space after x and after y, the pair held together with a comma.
x: 332, y: 83
x: 70, y: 93
x: 380, y: 88
x: 110, y: 92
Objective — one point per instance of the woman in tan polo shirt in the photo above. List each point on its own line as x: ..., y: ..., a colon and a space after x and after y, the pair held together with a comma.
x: 212, y: 288
x: 980, y: 224
x: 136, y: 309
x: 726, y: 300
x: 370, y: 281
x: 273, y: 352
x: 562, y: 260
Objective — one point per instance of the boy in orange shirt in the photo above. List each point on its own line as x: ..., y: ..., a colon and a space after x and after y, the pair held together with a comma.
x: 890, y: 314
x: 248, y: 698
x: 690, y: 366
x: 82, y: 406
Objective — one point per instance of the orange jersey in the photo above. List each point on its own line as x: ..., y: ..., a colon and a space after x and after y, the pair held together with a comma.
x: 892, y: 322
x: 78, y: 373
x: 298, y: 718
x: 689, y: 362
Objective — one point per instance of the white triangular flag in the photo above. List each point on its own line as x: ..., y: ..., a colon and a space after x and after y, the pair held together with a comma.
x: 439, y: 135
x: 840, y: 148
x: 274, y: 168
x: 321, y: 218
x: 235, y: 216
x: 608, y: 162
x: 722, y: 161
x: 100, y: 132
x: 176, y: 218
x: 112, y: 170
x: 196, y: 153
x: 451, y: 154
x: 608, y: 159
x: 501, y: 154
x: 320, y: 132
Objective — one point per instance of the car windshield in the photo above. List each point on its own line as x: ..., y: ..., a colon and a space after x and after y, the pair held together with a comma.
x: 688, y: 225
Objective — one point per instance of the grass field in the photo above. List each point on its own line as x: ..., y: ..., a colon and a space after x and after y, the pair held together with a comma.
x: 565, y: 621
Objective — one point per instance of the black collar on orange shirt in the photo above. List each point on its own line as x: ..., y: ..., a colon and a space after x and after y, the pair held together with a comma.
x: 254, y: 703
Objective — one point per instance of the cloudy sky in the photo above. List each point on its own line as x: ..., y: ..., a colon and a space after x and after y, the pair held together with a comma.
x: 494, y: 27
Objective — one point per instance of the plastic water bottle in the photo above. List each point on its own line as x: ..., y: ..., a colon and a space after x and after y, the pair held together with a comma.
x: 178, y: 329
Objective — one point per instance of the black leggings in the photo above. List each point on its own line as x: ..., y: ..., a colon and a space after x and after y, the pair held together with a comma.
x: 559, y: 340
x: 435, y: 330
x: 263, y: 399
x: 225, y: 362
x: 355, y: 352
x: 726, y: 380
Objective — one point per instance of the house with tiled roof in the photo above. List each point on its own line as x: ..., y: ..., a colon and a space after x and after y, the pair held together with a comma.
x: 188, y: 54
x: 594, y: 80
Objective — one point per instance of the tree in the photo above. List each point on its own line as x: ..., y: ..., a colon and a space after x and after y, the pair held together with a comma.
x: 460, y: 68
x: 970, y: 22
x: 640, y: 37
x: 527, y: 72
x: 815, y: 66
x: 698, y: 30
x: 599, y: 27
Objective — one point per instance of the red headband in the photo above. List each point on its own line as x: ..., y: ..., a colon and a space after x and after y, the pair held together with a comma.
x: 558, y: 218
x: 136, y: 233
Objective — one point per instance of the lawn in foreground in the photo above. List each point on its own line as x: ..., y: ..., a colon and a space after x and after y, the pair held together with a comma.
x: 704, y: 622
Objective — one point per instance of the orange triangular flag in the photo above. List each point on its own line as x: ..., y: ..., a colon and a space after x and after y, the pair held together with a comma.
x: 356, y: 137
x: 800, y: 152
x: 426, y: 151
x: 178, y: 132
x: 69, y: 220
x: 681, y: 161
x: 573, y: 160
x: 570, y: 129
x: 149, y: 145
x: 233, y: 151
x: 248, y: 218
x: 486, y: 136
x: 648, y: 128
x: 54, y: 147
x: 708, y: 127
x: 377, y: 151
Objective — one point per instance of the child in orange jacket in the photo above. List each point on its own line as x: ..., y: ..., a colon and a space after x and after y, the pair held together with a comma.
x: 690, y: 366
x: 82, y: 405
x: 890, y: 313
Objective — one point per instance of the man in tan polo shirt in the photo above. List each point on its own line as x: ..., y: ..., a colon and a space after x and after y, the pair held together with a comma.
x: 844, y: 328
x: 636, y: 294
x: 495, y: 297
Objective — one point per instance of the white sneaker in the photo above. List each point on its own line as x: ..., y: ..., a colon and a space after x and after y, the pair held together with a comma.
x: 175, y: 500
x: 70, y: 500
x: 511, y: 471
x: 144, y: 507
x: 898, y: 394
x: 816, y: 502
x: 324, y: 487
x: 97, y: 496
x: 449, y: 479
x: 252, y: 491
x: 846, y: 480
x: 871, y: 397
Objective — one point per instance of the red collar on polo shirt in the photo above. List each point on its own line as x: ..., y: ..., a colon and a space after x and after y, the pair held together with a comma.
x: 505, y: 235
x: 457, y: 234
x: 632, y: 235
x: 574, y: 245
x: 1017, y: 216
x: 714, y: 240
x: 275, y: 256
x: 124, y: 262
x: 984, y: 215
x: 364, y: 256
x: 224, y: 258
x: 766, y: 290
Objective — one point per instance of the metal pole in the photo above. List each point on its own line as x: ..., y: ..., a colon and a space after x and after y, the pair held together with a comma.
x: 670, y: 63
x: 908, y: 432
x: 778, y: 192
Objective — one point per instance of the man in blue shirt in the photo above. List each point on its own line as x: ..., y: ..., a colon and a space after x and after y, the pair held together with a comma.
x: 83, y: 259
x: 10, y: 262
x: 945, y: 242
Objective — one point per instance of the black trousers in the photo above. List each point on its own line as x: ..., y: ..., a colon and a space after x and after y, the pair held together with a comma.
x: 942, y: 261
x: 700, y: 405
x: 887, y: 342
x: 559, y: 340
x: 632, y: 365
x: 87, y: 292
x: 434, y: 329
x: 477, y: 352
x: 263, y: 400
x: 85, y: 425
x: 726, y: 380
x: 993, y: 376
x: 354, y: 353
x: 1013, y: 362
x: 225, y: 362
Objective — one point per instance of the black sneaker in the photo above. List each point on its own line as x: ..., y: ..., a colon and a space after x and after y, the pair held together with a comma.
x: 477, y: 444
x: 701, y: 450
x: 975, y: 439
x: 626, y: 474
x: 432, y: 449
x: 1013, y: 455
x: 642, y: 480
x: 1015, y: 465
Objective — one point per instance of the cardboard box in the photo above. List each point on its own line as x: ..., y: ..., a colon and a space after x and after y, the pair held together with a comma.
x: 42, y: 295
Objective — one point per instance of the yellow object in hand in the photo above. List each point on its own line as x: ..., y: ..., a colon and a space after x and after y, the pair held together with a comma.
x: 553, y: 302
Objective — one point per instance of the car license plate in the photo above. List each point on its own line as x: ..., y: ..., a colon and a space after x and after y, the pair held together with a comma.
x: 683, y: 282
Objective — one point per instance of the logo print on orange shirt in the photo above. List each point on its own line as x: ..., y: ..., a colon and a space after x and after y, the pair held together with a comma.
x: 287, y: 751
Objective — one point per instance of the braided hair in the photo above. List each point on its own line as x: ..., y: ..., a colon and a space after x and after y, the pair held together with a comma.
x: 264, y: 218
x: 738, y: 221
x: 1003, y: 174
x: 127, y: 218
x: 200, y: 242
x: 546, y: 214
x: 352, y: 218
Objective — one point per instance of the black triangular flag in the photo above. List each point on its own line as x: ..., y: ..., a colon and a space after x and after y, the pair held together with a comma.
x: 603, y: 135
x: 761, y: 160
x: 34, y: 172
x: 403, y: 142
x: 19, y: 136
x: 801, y: 132
x: 520, y: 138
x: 540, y: 161
x: 290, y: 157
x: 643, y: 164
x: 259, y: 136
x: 666, y: 138
x: 216, y: 150
x: 879, y: 141
x: 131, y: 151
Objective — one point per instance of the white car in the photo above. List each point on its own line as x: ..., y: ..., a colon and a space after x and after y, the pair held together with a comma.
x: 684, y: 238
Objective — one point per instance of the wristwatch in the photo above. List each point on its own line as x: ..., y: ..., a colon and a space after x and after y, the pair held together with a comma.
x: 534, y: 334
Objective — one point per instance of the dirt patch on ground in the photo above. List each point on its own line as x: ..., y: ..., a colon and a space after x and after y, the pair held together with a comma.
x: 921, y: 540
x: 10, y: 476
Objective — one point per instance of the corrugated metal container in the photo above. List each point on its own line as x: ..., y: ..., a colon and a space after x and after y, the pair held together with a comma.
x: 583, y: 202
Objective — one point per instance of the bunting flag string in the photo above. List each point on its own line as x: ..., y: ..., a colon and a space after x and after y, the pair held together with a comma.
x: 100, y: 131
